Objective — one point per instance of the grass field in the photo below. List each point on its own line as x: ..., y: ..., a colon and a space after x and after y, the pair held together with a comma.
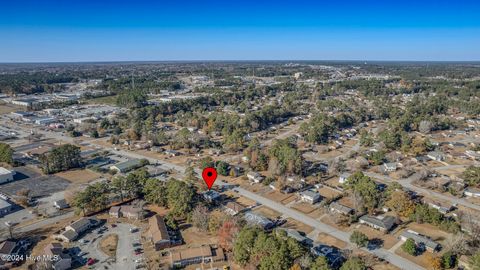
x: 108, y: 245
x: 8, y: 108
x: 297, y: 225
x: 78, y: 176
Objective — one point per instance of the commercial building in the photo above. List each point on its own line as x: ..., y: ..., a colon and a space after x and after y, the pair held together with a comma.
x: 158, y: 233
x: 5, y: 207
x: 197, y: 255
x: 126, y: 166
x: 127, y: 211
x: 6, y: 175
x: 62, y: 260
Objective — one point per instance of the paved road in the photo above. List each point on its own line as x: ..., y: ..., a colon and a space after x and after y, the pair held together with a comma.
x: 344, y: 236
x: 407, y: 183
x: 40, y: 224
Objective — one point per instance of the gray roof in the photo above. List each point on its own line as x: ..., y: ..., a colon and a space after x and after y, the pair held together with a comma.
x: 390, y: 165
x: 4, y: 204
x: 420, y: 239
x: 211, y: 194
x: 257, y: 219
x: 70, y: 235
x: 127, y: 165
x: 382, y: 222
x: 341, y: 208
x: 294, y: 234
x: 82, y: 222
x: 7, y: 247
x: 310, y: 194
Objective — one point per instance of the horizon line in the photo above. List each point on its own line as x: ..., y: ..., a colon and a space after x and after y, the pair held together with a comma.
x: 234, y: 60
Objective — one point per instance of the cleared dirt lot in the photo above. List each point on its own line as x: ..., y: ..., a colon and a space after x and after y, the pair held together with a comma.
x: 80, y: 176
x: 388, y: 240
x: 328, y: 193
x: 330, y: 240
x: 297, y: 225
x: 267, y: 212
x: 279, y: 197
x: 304, y: 207
x: 329, y: 220
x: 8, y: 108
x: 108, y: 244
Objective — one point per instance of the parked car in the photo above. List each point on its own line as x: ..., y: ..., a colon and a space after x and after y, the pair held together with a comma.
x: 90, y: 261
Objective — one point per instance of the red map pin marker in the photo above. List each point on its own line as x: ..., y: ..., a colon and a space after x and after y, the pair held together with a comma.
x: 209, y: 175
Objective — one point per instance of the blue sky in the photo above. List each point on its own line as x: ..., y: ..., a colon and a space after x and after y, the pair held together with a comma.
x: 74, y: 30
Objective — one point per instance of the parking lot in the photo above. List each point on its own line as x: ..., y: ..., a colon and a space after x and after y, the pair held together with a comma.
x: 129, y: 249
x: 39, y: 185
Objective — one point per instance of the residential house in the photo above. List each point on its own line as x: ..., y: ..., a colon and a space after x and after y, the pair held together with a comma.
x: 211, y: 196
x: 172, y: 153
x: 436, y: 155
x: 336, y: 207
x: 475, y: 155
x: 206, y: 254
x: 236, y: 171
x: 131, y: 212
x: 310, y: 196
x: 234, y: 208
x: 61, y: 204
x: 390, y: 167
x: 334, y: 255
x: 343, y: 178
x: 78, y: 227
x: 472, y: 192
x: 61, y: 261
x: 419, y: 239
x: 443, y: 208
x: 296, y: 235
x: 114, y: 211
x: 255, y: 177
x: 257, y: 219
x: 382, y: 223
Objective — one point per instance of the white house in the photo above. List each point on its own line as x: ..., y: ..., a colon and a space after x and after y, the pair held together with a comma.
x: 343, y: 178
x: 472, y: 192
x: 436, y: 155
x: 310, y: 196
x: 390, y: 167
x: 255, y: 177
